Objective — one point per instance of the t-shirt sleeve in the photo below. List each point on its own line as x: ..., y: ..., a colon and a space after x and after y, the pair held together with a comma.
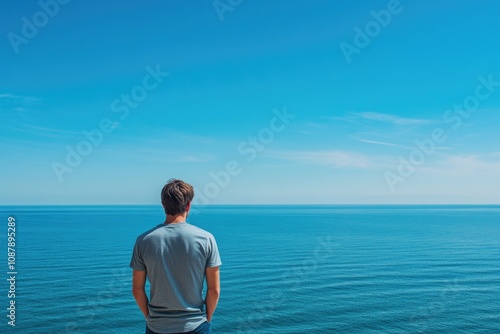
x: 137, y: 262
x: 213, y: 254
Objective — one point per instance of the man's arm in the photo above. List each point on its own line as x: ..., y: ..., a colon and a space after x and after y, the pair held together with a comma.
x: 139, y: 291
x: 213, y: 290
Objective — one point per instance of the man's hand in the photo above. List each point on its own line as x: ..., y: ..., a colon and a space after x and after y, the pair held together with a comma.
x: 139, y: 291
x: 213, y: 290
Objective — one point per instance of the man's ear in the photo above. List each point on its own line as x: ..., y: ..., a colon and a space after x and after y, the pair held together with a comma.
x: 188, y: 207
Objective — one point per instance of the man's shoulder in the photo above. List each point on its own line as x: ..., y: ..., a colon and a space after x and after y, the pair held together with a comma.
x: 198, y: 230
x: 149, y: 233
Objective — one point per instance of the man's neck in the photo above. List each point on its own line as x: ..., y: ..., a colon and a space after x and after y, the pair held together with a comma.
x: 181, y: 218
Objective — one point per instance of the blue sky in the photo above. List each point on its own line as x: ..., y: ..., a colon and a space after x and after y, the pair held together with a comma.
x: 261, y: 103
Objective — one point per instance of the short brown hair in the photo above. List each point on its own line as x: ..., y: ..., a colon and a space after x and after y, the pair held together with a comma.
x: 175, y: 196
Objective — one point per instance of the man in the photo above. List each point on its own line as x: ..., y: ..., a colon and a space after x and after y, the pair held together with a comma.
x: 176, y: 257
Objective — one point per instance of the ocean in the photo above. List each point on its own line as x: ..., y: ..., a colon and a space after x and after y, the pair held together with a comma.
x: 286, y: 269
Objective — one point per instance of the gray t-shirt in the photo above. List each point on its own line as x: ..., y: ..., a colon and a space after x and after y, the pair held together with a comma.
x: 175, y: 257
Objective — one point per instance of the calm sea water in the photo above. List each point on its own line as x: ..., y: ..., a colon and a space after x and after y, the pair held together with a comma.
x: 286, y: 269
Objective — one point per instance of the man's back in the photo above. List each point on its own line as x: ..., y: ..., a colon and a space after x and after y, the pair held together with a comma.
x: 175, y: 257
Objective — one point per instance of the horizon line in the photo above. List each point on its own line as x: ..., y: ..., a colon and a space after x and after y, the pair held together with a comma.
x: 272, y: 204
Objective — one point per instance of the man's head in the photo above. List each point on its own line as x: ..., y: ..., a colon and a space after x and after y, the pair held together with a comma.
x: 176, y: 197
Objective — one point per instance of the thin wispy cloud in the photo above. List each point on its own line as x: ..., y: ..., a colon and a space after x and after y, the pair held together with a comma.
x: 15, y: 109
x: 44, y: 131
x: 463, y: 165
x: 332, y: 158
x: 383, y: 143
x: 471, y: 164
x: 380, y: 117
x: 28, y: 100
x: 8, y: 96
x: 375, y: 142
x: 396, y: 120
